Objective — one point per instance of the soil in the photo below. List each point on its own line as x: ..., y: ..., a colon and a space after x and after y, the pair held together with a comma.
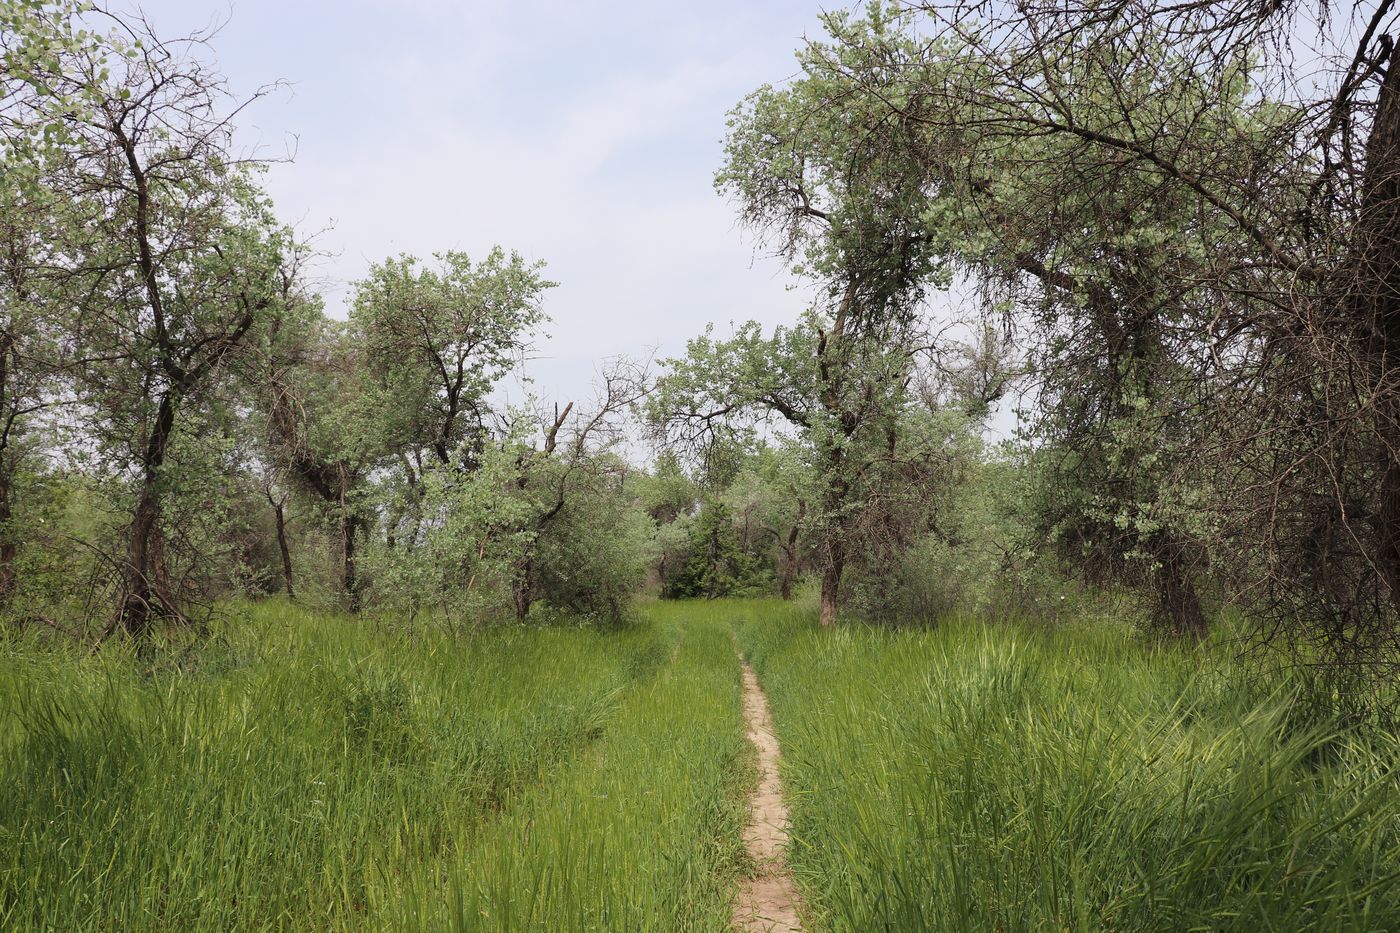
x: 768, y: 900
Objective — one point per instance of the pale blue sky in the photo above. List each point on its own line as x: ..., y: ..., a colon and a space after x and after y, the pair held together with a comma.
x: 582, y: 133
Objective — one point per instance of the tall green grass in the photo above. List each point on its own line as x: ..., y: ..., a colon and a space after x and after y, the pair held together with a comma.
x: 307, y: 772
x: 311, y: 772
x: 642, y: 832
x: 1002, y: 778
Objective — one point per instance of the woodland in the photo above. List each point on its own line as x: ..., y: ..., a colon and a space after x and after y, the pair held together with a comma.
x: 303, y: 626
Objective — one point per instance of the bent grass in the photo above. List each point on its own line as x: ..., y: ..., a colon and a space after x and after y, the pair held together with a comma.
x: 310, y: 772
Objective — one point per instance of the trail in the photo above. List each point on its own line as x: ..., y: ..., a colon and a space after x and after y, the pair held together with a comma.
x: 767, y: 901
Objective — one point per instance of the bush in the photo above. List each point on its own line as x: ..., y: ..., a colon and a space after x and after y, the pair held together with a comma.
x: 593, y: 556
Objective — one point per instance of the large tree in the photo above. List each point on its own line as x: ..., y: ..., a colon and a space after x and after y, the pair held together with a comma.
x: 1241, y: 223
x: 844, y: 401
x: 323, y: 430
x: 170, y: 250
x: 822, y: 174
x: 33, y: 351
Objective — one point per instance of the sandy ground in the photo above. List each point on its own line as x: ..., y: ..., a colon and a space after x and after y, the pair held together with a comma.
x: 767, y: 901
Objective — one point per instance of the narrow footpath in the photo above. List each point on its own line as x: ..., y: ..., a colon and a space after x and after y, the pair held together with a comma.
x: 767, y: 901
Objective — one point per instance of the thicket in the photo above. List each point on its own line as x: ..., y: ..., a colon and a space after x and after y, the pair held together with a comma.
x: 1183, y: 260
x: 182, y: 420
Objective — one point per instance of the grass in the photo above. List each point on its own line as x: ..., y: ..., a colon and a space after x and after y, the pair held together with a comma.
x: 1001, y: 778
x: 309, y: 772
x: 642, y: 833
x: 301, y: 771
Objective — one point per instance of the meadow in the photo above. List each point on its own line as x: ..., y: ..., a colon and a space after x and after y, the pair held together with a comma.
x: 309, y: 771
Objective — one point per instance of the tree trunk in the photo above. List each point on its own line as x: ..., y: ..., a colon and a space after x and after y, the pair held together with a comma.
x: 9, y: 548
x: 141, y: 570
x: 1375, y: 302
x: 831, y: 579
x: 1179, y: 605
x: 522, y: 588
x: 831, y: 591
x: 788, y: 571
x: 349, y: 574
x: 281, y: 516
x: 136, y: 609
x: 520, y: 594
x: 8, y: 543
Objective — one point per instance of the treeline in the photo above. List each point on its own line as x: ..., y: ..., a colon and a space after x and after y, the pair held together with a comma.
x: 1187, y: 229
x: 180, y: 420
x: 1185, y: 271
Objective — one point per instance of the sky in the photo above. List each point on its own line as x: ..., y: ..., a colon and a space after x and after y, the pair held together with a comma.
x: 582, y: 133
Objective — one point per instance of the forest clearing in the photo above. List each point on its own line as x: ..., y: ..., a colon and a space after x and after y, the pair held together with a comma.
x: 945, y: 474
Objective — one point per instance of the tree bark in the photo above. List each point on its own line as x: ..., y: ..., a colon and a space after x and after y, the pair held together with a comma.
x: 9, y: 548
x: 1374, y: 293
x: 1179, y: 604
x: 141, y: 570
x: 831, y: 576
x: 789, y: 568
x: 831, y: 590
x: 349, y: 571
x: 522, y: 587
x: 520, y: 595
x: 788, y: 571
x: 279, y: 513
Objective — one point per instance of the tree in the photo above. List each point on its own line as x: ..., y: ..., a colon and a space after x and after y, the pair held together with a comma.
x: 322, y: 430
x: 541, y: 515
x: 171, y: 250
x: 1277, y: 252
x: 277, y: 497
x: 567, y: 466
x: 717, y: 563
x: 435, y: 341
x: 843, y: 406
x: 37, y: 103
x: 846, y: 202
x: 769, y: 496
x: 31, y: 347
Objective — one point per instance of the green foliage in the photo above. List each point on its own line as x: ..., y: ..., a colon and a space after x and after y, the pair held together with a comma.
x: 592, y: 557
x: 459, y: 562
x: 909, y: 507
x: 344, y: 775
x: 716, y: 564
x: 819, y: 166
x: 436, y: 340
x: 666, y: 492
x: 38, y: 101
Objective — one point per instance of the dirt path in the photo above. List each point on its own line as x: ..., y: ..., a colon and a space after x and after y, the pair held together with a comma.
x: 767, y: 901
